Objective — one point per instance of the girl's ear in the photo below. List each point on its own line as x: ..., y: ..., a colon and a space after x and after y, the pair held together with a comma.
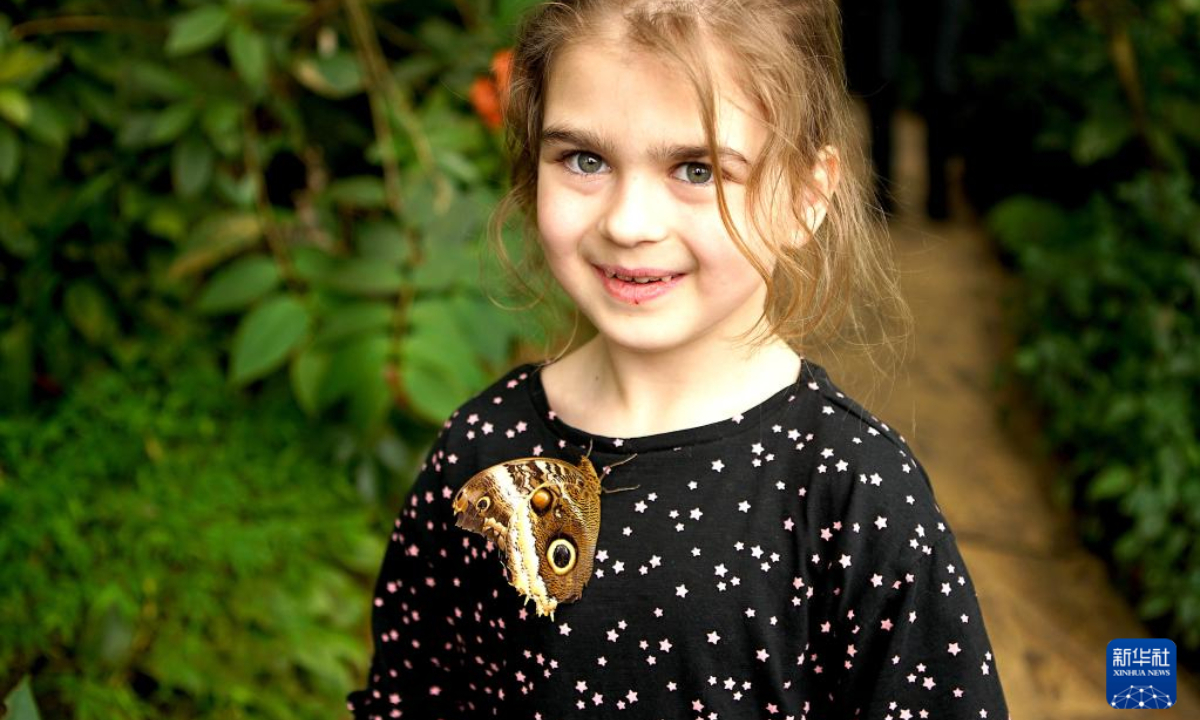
x: 825, y: 175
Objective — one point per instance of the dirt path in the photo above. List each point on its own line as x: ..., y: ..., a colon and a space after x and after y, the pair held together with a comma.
x: 1047, y: 603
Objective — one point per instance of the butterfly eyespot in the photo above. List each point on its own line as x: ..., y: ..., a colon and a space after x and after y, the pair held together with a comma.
x: 483, y: 503
x: 541, y: 501
x: 561, y: 555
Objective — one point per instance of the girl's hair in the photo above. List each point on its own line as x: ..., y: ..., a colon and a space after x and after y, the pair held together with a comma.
x: 787, y: 56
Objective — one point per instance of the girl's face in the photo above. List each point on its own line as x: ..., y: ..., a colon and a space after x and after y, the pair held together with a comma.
x: 625, y: 187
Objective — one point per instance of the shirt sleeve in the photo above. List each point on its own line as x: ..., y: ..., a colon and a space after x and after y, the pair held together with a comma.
x: 415, y: 652
x: 901, y: 635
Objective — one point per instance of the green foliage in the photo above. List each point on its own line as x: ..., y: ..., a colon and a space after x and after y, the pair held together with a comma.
x: 1110, y: 298
x: 171, y: 550
x: 309, y: 180
x: 299, y: 189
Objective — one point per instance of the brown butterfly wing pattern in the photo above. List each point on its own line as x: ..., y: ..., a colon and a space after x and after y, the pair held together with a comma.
x: 545, y: 515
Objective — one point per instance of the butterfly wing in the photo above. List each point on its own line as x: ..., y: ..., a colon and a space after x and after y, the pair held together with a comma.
x: 545, y: 515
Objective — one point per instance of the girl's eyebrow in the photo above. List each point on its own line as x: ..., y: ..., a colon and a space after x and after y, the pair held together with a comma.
x: 563, y: 135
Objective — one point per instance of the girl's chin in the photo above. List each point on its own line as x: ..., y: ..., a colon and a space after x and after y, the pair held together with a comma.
x: 640, y: 334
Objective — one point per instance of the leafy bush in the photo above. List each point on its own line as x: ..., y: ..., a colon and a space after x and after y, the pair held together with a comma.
x: 1109, y: 256
x: 172, y: 550
x: 314, y: 176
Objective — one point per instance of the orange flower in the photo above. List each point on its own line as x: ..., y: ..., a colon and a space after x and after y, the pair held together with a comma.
x: 487, y: 95
x: 486, y: 101
x: 502, y: 69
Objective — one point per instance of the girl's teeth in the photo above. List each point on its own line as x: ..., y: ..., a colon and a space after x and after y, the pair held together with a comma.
x: 638, y: 280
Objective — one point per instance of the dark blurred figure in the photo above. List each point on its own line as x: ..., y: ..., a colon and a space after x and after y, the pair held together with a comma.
x: 877, y: 35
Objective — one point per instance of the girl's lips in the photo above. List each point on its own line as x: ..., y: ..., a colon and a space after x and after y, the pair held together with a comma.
x: 635, y: 293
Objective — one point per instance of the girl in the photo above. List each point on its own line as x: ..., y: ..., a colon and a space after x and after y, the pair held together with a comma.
x: 689, y: 168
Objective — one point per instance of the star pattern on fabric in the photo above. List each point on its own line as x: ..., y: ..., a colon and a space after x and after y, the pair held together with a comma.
x: 818, y: 528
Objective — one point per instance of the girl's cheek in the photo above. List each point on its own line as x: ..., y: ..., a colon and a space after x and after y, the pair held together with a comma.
x: 560, y: 217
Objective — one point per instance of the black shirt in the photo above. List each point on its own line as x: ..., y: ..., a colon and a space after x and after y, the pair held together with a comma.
x: 788, y: 562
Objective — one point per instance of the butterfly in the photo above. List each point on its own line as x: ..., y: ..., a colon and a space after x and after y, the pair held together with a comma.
x: 544, y: 514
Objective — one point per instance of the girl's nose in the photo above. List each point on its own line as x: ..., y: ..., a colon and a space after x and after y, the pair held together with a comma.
x: 637, y: 212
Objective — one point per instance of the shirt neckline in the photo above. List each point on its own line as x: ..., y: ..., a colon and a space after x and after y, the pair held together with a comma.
x: 674, y: 439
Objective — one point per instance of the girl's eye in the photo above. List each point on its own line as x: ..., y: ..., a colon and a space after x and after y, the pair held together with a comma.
x: 582, y: 162
x: 588, y: 163
x: 698, y: 173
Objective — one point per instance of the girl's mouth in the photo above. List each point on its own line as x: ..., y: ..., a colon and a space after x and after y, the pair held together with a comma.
x: 638, y: 289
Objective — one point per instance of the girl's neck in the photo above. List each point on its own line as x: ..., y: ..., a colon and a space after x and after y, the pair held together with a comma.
x: 606, y: 390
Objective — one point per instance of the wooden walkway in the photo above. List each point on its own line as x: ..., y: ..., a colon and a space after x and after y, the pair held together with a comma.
x: 1047, y: 603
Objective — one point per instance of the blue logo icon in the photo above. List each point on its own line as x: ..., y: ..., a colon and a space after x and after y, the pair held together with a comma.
x: 1141, y: 674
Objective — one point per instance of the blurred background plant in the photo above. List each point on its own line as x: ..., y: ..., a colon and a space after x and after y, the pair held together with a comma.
x: 1092, y: 167
x: 216, y: 219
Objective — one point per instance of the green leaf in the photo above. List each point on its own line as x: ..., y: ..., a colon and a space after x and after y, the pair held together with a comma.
x: 266, y: 337
x: 1153, y: 606
x: 1114, y: 481
x: 1021, y: 220
x: 461, y: 222
x: 167, y: 221
x: 362, y: 191
x: 171, y: 123
x: 1183, y: 116
x: 336, y: 76
x: 239, y: 284
x: 100, y: 104
x: 275, y: 12
x: 438, y: 362
x: 21, y: 703
x: 49, y: 123
x: 15, y: 106
x: 359, y: 276
x: 392, y: 452
x: 143, y: 77
x: 458, y: 166
x: 382, y: 241
x: 370, y: 399
x: 239, y: 192
x: 191, y: 166
x: 14, y: 233
x: 24, y: 65
x: 426, y: 388
x: 10, y: 154
x: 356, y: 372
x: 90, y: 312
x: 308, y: 371
x: 1100, y: 136
x: 16, y: 357
x: 354, y: 318
x: 222, y: 122
x: 248, y: 52
x: 508, y: 12
x: 197, y: 29
x: 215, y: 239
x: 445, y: 266
x: 492, y: 330
x: 312, y: 263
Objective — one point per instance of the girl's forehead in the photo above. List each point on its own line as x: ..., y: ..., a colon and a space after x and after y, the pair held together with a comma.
x: 609, y: 80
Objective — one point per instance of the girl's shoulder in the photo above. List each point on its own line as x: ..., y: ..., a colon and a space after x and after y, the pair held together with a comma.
x: 844, y: 417
x: 495, y: 419
x: 866, y: 470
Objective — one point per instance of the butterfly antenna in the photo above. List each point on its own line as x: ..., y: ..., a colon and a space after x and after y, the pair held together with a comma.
x: 622, y: 462
x: 609, y: 468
